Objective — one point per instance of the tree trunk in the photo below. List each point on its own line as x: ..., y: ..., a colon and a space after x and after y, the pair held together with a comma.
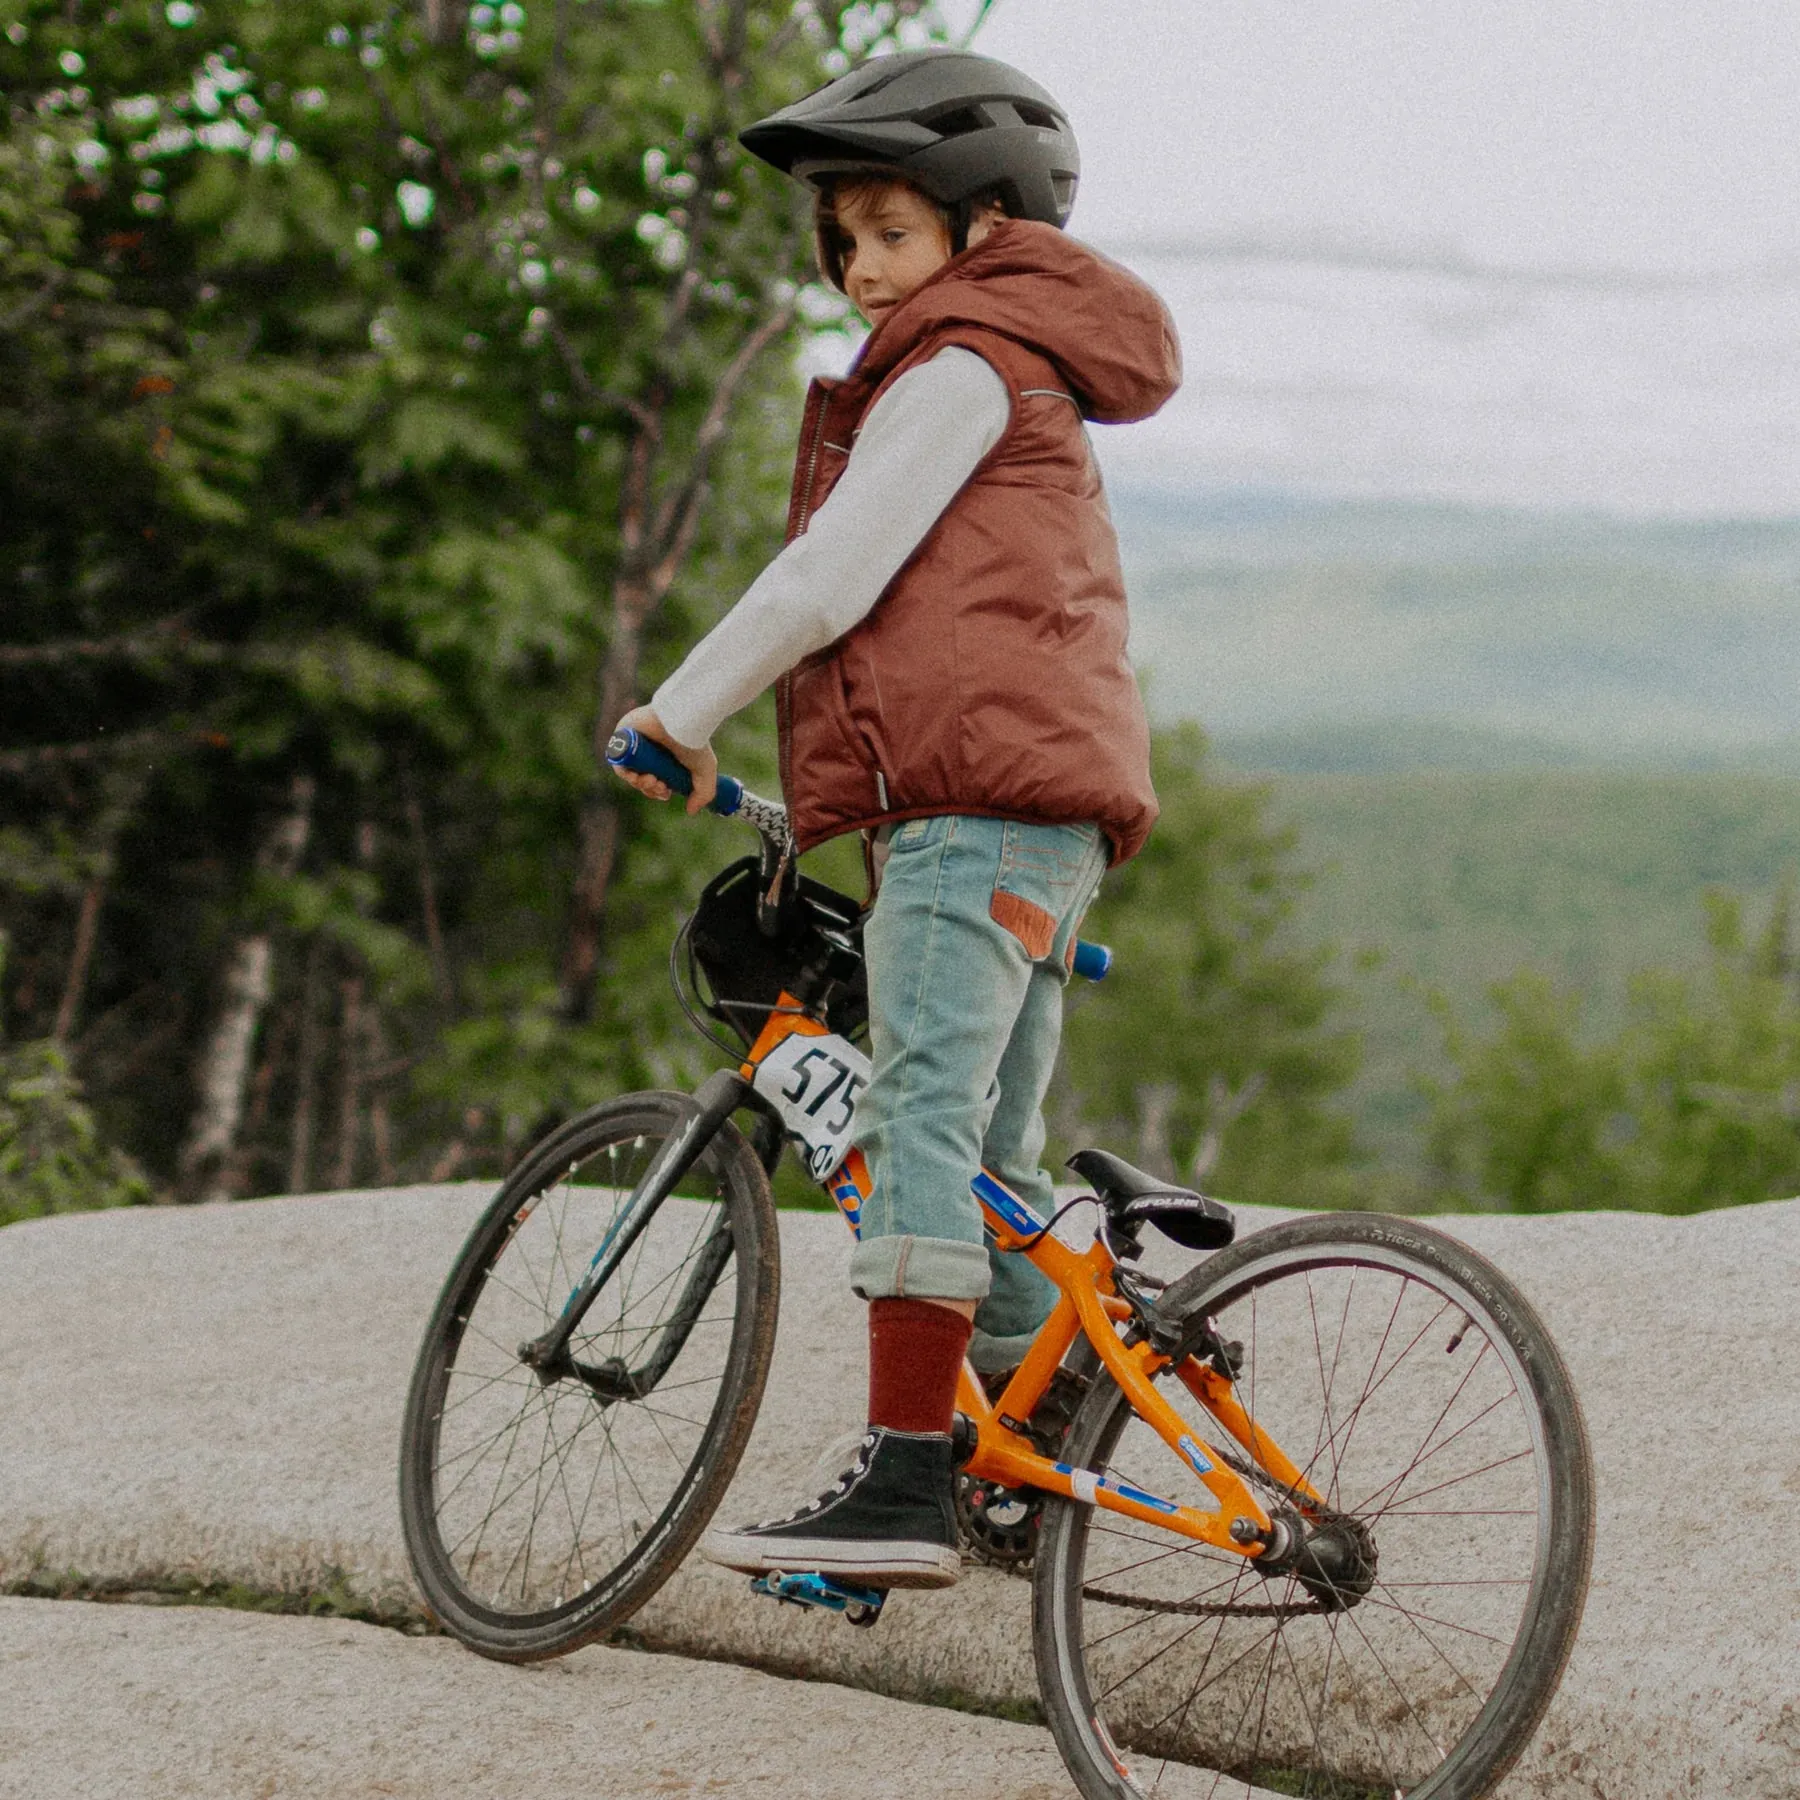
x: 306, y: 1075
x: 456, y: 1152
x: 1225, y: 1105
x: 350, y: 1067
x: 444, y: 19
x: 1156, y: 1102
x: 123, y: 791
x: 224, y: 1067
x: 79, y: 959
x: 656, y: 536
x: 428, y: 901
x: 239, y: 1174
x: 376, y: 1070
x: 355, y: 1025
x: 597, y: 843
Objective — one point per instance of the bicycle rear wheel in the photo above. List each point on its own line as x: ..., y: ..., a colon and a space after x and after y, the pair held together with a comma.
x: 539, y: 1513
x: 1419, y: 1393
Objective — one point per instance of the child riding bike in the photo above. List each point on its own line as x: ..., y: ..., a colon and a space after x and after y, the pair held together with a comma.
x: 948, y: 628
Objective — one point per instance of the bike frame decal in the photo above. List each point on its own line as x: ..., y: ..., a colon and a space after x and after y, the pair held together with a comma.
x: 1001, y: 1202
x: 1084, y: 1484
x: 848, y: 1188
x: 1191, y: 1451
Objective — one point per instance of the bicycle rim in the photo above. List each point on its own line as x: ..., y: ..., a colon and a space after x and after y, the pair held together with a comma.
x: 1419, y: 1393
x: 539, y: 1514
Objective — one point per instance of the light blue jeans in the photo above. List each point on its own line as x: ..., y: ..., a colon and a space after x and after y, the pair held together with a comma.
x: 967, y: 949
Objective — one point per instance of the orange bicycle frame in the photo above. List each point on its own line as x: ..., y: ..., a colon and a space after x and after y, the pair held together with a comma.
x: 1089, y: 1305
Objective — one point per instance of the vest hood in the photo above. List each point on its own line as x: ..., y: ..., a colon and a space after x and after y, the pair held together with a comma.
x: 1106, y: 331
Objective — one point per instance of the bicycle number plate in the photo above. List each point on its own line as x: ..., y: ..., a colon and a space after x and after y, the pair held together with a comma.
x: 813, y: 1082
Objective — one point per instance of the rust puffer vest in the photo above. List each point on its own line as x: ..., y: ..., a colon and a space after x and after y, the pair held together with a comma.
x: 991, y: 676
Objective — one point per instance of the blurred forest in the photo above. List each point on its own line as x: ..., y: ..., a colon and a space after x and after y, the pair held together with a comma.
x: 389, y: 394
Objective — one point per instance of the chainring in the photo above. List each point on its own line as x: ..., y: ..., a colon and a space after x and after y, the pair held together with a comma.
x: 1000, y: 1524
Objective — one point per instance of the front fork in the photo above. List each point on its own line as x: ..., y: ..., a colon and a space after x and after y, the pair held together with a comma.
x: 713, y: 1102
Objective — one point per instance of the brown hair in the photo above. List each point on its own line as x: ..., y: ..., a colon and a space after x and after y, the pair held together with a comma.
x: 827, y: 244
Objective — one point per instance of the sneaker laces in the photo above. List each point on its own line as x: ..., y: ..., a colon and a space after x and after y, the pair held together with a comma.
x: 839, y: 1487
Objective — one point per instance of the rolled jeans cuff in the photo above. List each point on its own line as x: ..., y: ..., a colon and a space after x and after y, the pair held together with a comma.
x: 922, y: 1268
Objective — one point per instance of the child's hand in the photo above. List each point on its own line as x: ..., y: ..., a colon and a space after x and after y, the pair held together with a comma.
x: 701, y: 763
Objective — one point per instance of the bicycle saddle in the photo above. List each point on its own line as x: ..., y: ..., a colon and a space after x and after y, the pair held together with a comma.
x: 1130, y: 1196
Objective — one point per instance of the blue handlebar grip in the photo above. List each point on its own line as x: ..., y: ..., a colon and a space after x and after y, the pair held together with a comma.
x: 1091, y: 960
x: 628, y: 749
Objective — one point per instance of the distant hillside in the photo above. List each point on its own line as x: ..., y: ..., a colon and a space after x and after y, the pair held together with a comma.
x: 1314, y: 634
x: 1458, y: 878
x: 1505, y: 738
x: 1413, y: 746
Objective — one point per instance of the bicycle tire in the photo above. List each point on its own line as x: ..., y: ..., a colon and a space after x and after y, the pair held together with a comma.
x: 609, y: 1494
x: 1485, y: 1582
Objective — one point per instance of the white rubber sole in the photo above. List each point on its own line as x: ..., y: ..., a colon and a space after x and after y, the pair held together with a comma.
x: 878, y: 1563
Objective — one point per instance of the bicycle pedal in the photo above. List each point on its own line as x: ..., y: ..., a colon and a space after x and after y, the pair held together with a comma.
x: 860, y: 1605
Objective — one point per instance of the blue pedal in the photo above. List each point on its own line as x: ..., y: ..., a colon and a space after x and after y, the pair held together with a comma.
x: 860, y: 1605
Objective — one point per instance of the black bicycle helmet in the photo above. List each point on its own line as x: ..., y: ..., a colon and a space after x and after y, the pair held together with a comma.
x: 959, y: 127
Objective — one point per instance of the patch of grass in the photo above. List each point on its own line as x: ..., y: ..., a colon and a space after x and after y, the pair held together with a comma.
x: 1014, y: 1712
x: 890, y: 1685
x: 334, y: 1599
x: 1312, y: 1786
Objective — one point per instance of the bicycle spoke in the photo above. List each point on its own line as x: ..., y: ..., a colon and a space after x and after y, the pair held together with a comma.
x: 1443, y: 1486
x: 1419, y: 1461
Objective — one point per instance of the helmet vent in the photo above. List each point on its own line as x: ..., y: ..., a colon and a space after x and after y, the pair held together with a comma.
x: 1040, y: 116
x: 880, y: 77
x: 959, y: 123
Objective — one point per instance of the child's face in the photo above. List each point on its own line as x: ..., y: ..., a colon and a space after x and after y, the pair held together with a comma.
x: 892, y: 240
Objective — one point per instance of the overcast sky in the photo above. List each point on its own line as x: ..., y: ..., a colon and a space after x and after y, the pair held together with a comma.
x: 1538, y: 253
x: 1643, y: 134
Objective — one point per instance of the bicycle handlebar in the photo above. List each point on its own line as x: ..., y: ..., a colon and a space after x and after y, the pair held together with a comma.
x: 631, y: 750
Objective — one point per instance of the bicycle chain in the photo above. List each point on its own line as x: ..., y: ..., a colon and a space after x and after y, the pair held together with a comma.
x: 1210, y: 1609
x: 1203, y: 1609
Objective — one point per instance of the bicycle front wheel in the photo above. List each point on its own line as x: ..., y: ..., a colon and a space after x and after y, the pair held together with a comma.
x: 1421, y: 1397
x: 541, y: 1510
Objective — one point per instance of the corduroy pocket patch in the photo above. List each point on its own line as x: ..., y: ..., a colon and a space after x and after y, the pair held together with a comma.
x: 1045, y: 881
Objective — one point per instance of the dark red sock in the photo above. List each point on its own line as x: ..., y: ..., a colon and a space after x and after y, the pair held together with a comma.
x: 915, y: 1350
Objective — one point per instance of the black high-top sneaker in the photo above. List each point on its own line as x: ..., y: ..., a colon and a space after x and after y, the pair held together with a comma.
x: 887, y: 1522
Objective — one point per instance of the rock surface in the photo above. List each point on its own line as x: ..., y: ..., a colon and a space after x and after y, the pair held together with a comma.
x: 217, y: 1392
x: 198, y: 1704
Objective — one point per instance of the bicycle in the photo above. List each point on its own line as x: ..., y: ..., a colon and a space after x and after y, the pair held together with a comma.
x: 1315, y: 1517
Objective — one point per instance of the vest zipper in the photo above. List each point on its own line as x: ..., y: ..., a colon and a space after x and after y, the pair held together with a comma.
x: 784, y: 689
x: 812, y: 468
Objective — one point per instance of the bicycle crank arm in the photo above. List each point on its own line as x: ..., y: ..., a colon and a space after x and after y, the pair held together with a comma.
x: 714, y: 1101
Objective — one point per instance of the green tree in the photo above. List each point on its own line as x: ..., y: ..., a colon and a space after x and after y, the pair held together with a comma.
x: 52, y: 1158
x: 389, y: 390
x: 1694, y: 1103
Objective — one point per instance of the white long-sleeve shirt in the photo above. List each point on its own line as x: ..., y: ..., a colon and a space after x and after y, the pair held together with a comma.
x: 919, y: 444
